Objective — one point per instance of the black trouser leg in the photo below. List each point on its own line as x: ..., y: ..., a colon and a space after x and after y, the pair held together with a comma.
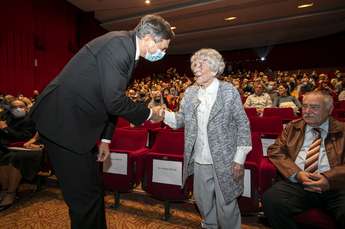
x: 334, y: 202
x: 80, y: 182
x: 282, y: 201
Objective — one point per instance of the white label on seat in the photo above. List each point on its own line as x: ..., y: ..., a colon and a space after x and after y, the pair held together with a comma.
x: 167, y: 172
x: 247, y: 184
x: 266, y: 142
x: 116, y: 163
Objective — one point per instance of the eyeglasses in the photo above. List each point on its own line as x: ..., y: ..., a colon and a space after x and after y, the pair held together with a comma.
x: 311, y: 106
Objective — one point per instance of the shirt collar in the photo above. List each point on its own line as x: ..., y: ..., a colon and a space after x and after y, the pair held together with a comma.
x: 324, y: 126
x: 137, y: 50
x: 212, y: 88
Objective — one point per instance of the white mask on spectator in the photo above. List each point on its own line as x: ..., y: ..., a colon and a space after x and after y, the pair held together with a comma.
x: 18, y: 112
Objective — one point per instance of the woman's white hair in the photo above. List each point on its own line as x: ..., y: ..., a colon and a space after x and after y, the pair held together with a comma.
x: 213, y: 58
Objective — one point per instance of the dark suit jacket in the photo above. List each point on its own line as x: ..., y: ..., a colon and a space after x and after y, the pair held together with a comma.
x: 80, y: 105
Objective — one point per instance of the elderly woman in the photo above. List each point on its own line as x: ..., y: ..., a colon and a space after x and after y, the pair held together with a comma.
x: 217, y: 140
x: 284, y: 99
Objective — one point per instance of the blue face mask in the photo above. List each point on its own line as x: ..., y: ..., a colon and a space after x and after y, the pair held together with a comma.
x: 158, y: 55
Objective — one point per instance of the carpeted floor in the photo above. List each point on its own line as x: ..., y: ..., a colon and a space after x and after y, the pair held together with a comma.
x: 46, y: 209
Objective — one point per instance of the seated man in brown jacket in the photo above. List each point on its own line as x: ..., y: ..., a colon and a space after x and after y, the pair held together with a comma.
x: 310, y: 155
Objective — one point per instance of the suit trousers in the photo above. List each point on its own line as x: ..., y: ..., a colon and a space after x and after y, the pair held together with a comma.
x: 209, y: 199
x: 286, y: 199
x: 79, y: 179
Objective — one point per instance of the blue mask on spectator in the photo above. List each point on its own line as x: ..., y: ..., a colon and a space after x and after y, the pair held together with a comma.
x: 18, y: 112
x: 158, y: 55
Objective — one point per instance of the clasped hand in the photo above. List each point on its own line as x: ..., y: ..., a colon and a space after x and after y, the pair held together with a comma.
x: 157, y: 114
x: 313, y: 182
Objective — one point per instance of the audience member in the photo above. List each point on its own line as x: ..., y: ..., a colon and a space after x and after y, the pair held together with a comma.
x: 284, y: 99
x: 259, y: 99
x: 310, y: 155
x: 15, y: 127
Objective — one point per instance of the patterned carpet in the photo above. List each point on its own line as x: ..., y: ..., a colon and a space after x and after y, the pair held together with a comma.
x: 46, y: 209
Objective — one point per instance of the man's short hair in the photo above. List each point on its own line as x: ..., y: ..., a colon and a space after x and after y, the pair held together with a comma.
x: 156, y: 26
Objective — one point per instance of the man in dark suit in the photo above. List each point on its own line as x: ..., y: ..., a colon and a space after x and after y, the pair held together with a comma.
x: 310, y: 155
x: 81, y: 104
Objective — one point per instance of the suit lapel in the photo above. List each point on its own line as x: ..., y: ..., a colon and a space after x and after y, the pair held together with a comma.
x: 132, y: 51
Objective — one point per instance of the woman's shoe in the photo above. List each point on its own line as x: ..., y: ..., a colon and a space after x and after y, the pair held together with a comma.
x: 7, y: 201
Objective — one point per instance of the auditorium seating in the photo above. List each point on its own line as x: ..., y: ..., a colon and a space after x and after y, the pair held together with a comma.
x: 165, y: 159
x: 127, y: 148
x: 315, y: 218
x: 251, y: 111
x: 267, y: 125
x: 286, y: 114
x: 121, y: 122
x: 252, y: 204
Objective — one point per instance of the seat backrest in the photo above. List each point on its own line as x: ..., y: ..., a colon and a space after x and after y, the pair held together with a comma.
x: 266, y: 125
x: 284, y: 113
x: 168, y: 142
x: 121, y: 122
x: 255, y: 154
x: 129, y: 139
x: 251, y: 111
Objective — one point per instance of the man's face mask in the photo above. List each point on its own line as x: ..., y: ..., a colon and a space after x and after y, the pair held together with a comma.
x: 18, y: 112
x: 158, y: 55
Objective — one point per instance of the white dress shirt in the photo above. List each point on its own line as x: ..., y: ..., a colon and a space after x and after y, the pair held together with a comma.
x: 323, y: 163
x: 202, y: 154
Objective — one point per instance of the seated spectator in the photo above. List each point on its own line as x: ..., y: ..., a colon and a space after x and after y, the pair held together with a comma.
x: 305, y: 86
x: 259, y: 99
x: 284, y: 99
x: 16, y: 164
x: 310, y: 155
x: 271, y: 89
x: 15, y: 127
x: 341, y: 95
x: 35, y: 94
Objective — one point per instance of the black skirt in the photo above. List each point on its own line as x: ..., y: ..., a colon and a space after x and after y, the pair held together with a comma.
x: 27, y: 161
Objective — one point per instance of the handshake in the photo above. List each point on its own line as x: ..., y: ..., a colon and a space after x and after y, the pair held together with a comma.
x: 157, y: 114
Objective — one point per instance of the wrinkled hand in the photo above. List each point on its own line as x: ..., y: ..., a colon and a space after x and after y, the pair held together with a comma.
x: 238, y: 171
x: 103, y: 151
x: 157, y: 114
x: 316, y: 183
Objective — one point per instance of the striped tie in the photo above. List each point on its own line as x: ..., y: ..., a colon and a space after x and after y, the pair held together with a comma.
x: 312, y: 158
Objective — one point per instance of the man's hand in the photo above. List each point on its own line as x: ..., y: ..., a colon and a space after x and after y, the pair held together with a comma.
x: 103, y: 151
x: 317, y: 183
x: 238, y: 171
x: 157, y: 114
x: 3, y: 124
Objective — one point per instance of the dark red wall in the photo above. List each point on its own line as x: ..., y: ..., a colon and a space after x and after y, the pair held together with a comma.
x: 38, y: 37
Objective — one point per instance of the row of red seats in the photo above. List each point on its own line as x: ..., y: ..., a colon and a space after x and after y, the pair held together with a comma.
x: 167, y: 145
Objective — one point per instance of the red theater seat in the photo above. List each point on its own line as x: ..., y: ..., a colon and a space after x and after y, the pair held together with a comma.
x: 315, y: 218
x: 267, y: 125
x: 130, y: 145
x: 168, y: 147
x: 286, y: 114
x: 251, y: 112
